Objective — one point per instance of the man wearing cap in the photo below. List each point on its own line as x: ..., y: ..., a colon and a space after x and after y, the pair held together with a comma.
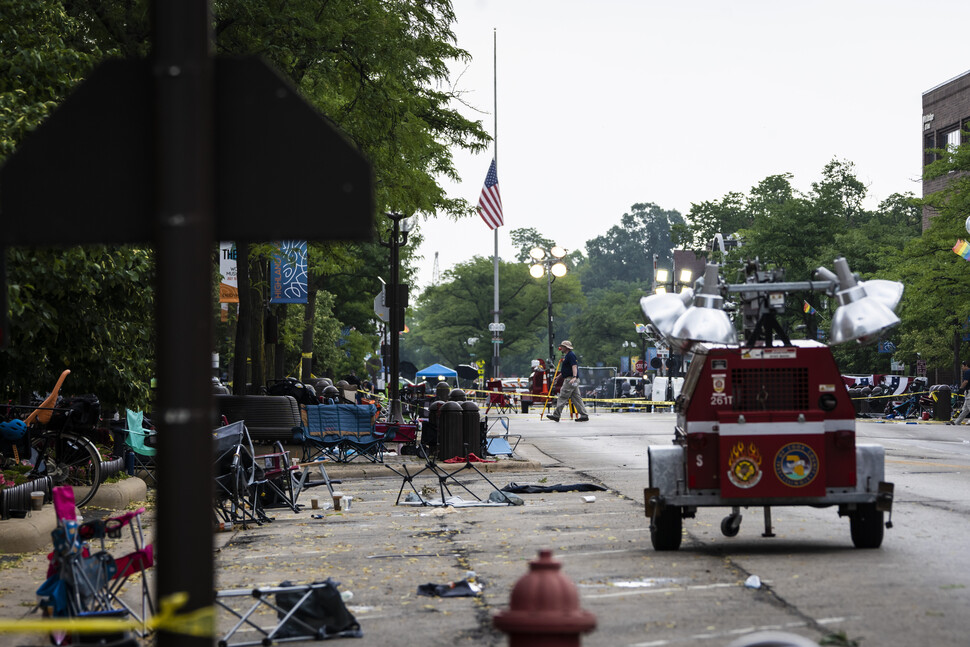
x: 570, y: 385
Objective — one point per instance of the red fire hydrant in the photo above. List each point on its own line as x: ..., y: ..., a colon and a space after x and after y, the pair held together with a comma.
x: 544, y: 608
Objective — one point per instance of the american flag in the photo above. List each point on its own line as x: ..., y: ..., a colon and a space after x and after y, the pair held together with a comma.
x: 490, y: 204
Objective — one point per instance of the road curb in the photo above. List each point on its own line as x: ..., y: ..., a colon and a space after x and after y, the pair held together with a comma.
x: 33, y: 533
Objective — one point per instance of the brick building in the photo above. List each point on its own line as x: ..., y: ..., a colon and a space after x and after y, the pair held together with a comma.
x: 946, y: 113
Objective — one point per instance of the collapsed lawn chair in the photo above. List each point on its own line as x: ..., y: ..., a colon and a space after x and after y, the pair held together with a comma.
x: 235, y: 477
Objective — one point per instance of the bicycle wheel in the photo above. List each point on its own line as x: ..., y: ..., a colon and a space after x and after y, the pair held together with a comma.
x: 69, y: 460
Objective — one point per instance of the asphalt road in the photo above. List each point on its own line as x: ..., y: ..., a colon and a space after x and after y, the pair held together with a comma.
x: 911, y: 591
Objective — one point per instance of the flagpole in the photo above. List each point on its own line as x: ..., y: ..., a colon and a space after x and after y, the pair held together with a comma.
x: 496, y: 334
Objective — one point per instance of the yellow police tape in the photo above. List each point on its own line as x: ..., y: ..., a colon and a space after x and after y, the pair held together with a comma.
x: 543, y: 396
x: 201, y: 622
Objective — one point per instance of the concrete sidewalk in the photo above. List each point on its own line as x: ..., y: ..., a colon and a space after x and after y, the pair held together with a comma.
x: 379, y: 551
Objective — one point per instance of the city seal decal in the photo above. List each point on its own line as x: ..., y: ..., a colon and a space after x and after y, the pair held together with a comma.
x: 796, y: 464
x: 744, y: 466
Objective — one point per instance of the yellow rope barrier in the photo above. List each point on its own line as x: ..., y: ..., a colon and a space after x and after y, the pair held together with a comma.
x: 201, y: 622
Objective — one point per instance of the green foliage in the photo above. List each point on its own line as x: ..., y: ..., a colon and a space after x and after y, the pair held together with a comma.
x: 934, y: 307
x: 607, y: 320
x: 783, y: 228
x: 44, y: 53
x: 726, y: 216
x: 377, y: 69
x: 625, y: 253
x: 525, y: 239
x: 460, y: 307
x: 89, y: 310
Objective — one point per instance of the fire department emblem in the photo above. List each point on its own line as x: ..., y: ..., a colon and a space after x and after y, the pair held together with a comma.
x: 720, y: 382
x: 796, y: 464
x: 744, y: 465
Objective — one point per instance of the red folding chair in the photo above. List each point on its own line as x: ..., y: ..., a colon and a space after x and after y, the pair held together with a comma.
x: 498, y: 398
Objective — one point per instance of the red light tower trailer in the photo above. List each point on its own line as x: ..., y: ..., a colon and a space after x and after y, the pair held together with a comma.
x: 767, y: 422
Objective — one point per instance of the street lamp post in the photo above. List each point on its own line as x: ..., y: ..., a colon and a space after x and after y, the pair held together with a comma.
x: 548, y: 262
x: 397, y: 301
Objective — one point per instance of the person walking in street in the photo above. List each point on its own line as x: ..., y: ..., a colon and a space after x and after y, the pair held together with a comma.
x: 965, y: 368
x: 570, y: 386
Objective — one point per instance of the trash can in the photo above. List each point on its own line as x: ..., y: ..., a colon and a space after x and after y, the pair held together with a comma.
x: 942, y: 409
x: 450, y: 439
x: 471, y: 428
x: 429, y: 429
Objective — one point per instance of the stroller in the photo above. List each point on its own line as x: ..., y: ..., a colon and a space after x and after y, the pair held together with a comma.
x: 88, y: 582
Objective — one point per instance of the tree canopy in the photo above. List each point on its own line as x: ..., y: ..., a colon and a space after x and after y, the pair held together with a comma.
x: 377, y: 69
x: 625, y: 252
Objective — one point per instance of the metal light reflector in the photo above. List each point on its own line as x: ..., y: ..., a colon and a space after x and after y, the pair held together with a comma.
x: 663, y: 309
x: 706, y: 319
x: 865, y: 309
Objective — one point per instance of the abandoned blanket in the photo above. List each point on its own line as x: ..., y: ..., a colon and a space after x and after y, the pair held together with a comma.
x: 532, y: 488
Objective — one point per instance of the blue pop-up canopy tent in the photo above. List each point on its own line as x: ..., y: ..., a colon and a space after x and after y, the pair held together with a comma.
x: 436, y: 370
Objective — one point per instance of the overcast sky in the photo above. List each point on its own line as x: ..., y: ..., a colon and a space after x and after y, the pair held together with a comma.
x: 605, y: 104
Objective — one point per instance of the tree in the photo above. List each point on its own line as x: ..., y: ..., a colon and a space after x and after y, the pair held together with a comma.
x: 707, y: 219
x: 460, y: 307
x: 83, y: 309
x: 625, y: 253
x: 934, y: 309
x: 44, y: 53
x: 607, y: 320
x: 376, y: 69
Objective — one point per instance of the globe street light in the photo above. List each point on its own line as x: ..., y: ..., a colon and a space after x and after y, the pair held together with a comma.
x: 397, y: 301
x: 548, y: 263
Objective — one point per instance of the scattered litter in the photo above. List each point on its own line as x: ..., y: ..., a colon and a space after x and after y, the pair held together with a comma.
x: 533, y: 488
x: 646, y: 583
x: 753, y: 582
x: 589, y: 499
x: 498, y: 496
x: 462, y: 589
x: 453, y: 501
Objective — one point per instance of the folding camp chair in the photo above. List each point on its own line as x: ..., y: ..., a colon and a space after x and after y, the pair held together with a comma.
x: 444, y: 477
x: 83, y: 583
x: 139, y: 440
x: 274, y: 479
x: 498, y: 398
x: 235, y: 472
x: 498, y: 443
x: 286, y: 613
x: 342, y: 432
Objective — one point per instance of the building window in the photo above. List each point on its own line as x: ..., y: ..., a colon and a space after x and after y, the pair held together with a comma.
x: 929, y: 141
x: 952, y: 139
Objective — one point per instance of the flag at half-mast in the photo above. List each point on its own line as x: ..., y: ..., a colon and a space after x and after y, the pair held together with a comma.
x: 490, y: 204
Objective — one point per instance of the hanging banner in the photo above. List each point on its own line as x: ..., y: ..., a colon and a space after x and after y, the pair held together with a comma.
x: 229, y: 285
x: 288, y: 275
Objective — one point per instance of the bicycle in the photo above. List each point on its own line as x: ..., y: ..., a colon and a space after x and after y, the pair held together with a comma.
x: 67, y: 457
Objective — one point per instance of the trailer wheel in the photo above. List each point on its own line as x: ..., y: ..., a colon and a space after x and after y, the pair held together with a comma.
x: 730, y: 525
x: 667, y: 529
x: 866, y: 526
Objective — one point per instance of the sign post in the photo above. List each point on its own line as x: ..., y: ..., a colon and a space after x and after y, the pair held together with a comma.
x: 173, y: 134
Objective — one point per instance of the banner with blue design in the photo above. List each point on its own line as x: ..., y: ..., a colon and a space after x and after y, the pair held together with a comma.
x: 288, y: 274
